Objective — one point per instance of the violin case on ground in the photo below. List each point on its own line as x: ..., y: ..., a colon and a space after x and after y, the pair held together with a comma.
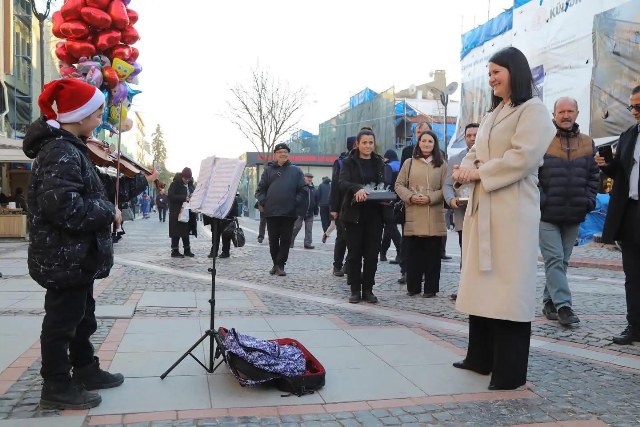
x: 247, y: 373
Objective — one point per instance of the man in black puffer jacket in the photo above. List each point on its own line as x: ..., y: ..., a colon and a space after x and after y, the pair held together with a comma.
x: 281, y: 193
x: 568, y: 186
x: 71, y: 212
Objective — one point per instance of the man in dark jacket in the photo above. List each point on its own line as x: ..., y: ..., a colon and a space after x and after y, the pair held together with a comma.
x: 324, y: 201
x: 162, y: 203
x: 568, y: 183
x: 281, y: 192
x: 71, y: 212
x: 311, y: 206
x: 391, y: 232
x: 335, y: 200
x: 180, y: 191
x: 623, y: 217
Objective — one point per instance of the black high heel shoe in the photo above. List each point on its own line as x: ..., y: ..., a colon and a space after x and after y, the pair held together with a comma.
x: 463, y: 365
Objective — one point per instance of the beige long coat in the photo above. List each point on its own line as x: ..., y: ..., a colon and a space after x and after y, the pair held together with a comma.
x: 422, y: 220
x: 500, y: 235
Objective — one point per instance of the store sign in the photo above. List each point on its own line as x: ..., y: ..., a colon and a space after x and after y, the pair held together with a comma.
x: 298, y: 159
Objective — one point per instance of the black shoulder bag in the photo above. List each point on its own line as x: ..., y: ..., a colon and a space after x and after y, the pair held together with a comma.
x: 399, y: 209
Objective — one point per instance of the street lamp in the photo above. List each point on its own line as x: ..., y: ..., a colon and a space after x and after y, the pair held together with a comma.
x: 444, y: 99
x: 41, y: 17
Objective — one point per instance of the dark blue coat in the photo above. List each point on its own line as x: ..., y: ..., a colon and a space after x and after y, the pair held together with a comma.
x: 569, y: 178
x: 281, y: 191
x: 71, y: 209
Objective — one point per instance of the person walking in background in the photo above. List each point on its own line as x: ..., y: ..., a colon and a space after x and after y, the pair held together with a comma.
x: 180, y: 191
x: 568, y: 183
x: 18, y: 198
x: 71, y: 213
x: 311, y: 206
x: 263, y: 219
x: 324, y: 199
x: 459, y: 208
x: 217, y: 234
x: 500, y: 235
x: 281, y: 193
x: 340, y: 244
x: 623, y: 217
x: 362, y: 220
x: 391, y: 233
x: 162, y: 203
x: 146, y: 205
x: 419, y: 185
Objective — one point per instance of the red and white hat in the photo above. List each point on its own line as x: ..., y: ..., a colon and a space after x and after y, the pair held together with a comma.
x: 75, y: 100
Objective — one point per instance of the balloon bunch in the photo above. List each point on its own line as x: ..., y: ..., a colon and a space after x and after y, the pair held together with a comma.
x: 99, y: 35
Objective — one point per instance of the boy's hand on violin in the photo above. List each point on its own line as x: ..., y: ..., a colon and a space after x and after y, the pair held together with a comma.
x: 154, y: 175
x: 118, y: 218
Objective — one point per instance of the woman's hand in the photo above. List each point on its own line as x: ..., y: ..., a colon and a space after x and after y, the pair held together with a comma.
x: 419, y: 199
x: 465, y: 175
x: 361, y: 195
x: 154, y: 175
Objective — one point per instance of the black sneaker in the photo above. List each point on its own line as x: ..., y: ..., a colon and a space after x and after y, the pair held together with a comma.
x: 369, y: 297
x: 260, y: 239
x: 628, y: 336
x: 176, y: 254
x: 67, y: 395
x: 273, y: 270
x: 445, y: 257
x: 383, y: 257
x: 403, y: 279
x: 354, y: 298
x: 566, y: 316
x: 549, y: 310
x: 224, y: 255
x: 187, y: 252
x: 280, y: 271
x: 91, y: 377
x: 338, y: 272
x: 396, y: 260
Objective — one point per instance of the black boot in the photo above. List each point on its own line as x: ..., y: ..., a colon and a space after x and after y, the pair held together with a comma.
x: 176, y: 254
x: 67, y: 395
x: 187, y: 252
x: 91, y: 377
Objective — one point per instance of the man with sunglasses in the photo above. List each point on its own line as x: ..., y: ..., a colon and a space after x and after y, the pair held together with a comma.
x: 623, y: 217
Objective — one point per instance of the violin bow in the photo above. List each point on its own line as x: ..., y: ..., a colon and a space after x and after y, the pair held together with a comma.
x: 118, y: 164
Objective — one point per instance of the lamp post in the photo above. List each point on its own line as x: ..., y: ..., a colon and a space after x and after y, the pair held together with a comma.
x: 444, y: 99
x: 41, y: 16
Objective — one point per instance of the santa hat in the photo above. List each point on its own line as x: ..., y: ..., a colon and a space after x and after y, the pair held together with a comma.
x: 75, y: 100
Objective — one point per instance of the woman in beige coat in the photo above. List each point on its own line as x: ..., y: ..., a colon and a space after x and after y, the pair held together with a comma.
x: 500, y: 239
x: 419, y: 185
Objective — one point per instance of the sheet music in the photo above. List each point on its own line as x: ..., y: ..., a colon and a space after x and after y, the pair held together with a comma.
x: 218, y: 182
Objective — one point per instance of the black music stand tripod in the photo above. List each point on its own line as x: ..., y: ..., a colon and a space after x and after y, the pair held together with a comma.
x: 211, y: 333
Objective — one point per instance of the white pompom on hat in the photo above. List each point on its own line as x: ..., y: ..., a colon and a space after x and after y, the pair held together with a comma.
x: 75, y: 100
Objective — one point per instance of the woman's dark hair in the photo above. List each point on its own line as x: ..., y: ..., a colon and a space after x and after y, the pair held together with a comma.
x: 365, y: 131
x: 521, y: 79
x: 436, y: 153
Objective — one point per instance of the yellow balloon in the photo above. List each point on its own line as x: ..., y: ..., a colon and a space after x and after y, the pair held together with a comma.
x: 114, y: 114
x: 123, y: 68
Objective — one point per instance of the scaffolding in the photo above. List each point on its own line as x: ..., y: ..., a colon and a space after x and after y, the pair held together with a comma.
x: 22, y: 84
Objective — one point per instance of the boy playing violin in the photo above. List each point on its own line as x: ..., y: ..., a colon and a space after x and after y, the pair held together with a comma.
x: 71, y: 211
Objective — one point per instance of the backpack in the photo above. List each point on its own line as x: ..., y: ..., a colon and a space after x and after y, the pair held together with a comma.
x: 283, y: 362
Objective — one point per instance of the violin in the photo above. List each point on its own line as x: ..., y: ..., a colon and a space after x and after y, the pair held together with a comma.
x: 101, y: 155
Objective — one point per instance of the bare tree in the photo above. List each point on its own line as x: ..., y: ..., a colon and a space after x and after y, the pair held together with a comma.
x: 265, y: 109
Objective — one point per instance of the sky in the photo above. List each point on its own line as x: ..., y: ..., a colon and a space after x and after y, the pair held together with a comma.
x: 192, y: 52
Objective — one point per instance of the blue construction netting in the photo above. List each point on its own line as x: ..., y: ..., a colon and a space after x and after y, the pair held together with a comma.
x: 361, y: 97
x: 493, y: 28
x: 518, y: 3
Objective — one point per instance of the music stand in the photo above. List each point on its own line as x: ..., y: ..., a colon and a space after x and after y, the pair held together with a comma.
x: 218, y: 180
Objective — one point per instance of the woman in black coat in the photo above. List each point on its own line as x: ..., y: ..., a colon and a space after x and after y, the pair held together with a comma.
x: 180, y: 191
x: 362, y: 220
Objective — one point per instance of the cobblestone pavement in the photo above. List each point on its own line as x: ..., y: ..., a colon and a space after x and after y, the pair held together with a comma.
x: 564, y: 388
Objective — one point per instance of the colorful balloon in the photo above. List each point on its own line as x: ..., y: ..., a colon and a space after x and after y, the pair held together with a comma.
x: 115, y: 115
x: 57, y: 20
x: 131, y: 93
x: 68, y: 71
x: 95, y: 17
x: 126, y: 2
x: 100, y: 4
x: 94, y: 77
x: 80, y: 48
x: 107, y: 39
x: 85, y: 64
x: 119, y: 94
x: 127, y: 125
x: 123, y: 68
x: 134, y: 54
x: 137, y: 69
x: 130, y: 35
x: 118, y: 12
x: 133, y: 16
x: 71, y: 9
x: 102, y: 60
x: 110, y: 77
x: 121, y: 51
x: 74, y: 29
x: 64, y: 55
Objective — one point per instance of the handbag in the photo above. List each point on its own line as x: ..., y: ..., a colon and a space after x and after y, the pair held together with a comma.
x: 399, y: 209
x: 127, y: 214
x: 183, y: 216
x: 235, y: 233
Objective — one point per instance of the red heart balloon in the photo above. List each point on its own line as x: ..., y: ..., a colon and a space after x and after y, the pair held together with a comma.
x: 134, y: 54
x: 107, y: 39
x: 118, y: 12
x: 63, y: 55
x: 71, y: 9
x: 100, y: 4
x: 79, y: 48
x: 130, y: 35
x: 121, y: 51
x: 57, y: 20
x: 95, y: 17
x: 133, y: 16
x: 110, y: 77
x: 74, y: 29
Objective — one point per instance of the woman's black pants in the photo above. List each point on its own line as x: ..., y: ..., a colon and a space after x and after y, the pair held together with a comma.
x: 363, y: 245
x: 423, y: 260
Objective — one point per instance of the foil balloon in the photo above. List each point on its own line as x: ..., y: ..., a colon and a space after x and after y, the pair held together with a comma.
x: 71, y: 9
x: 131, y: 93
x: 118, y: 12
x: 121, y: 51
x: 107, y: 39
x: 74, y: 29
x: 105, y: 113
x: 85, y: 64
x: 115, y: 114
x: 123, y: 68
x: 94, y: 77
x: 97, y: 18
x: 137, y: 69
x: 119, y: 94
x: 126, y: 2
x: 127, y: 125
x: 57, y: 20
x: 134, y: 54
x: 64, y: 55
x: 133, y: 16
x: 102, y: 60
x: 79, y: 48
x: 110, y: 77
x: 130, y: 35
x: 100, y: 4
x: 68, y: 71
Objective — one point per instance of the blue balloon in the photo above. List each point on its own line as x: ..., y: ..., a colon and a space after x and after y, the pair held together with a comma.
x: 131, y: 92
